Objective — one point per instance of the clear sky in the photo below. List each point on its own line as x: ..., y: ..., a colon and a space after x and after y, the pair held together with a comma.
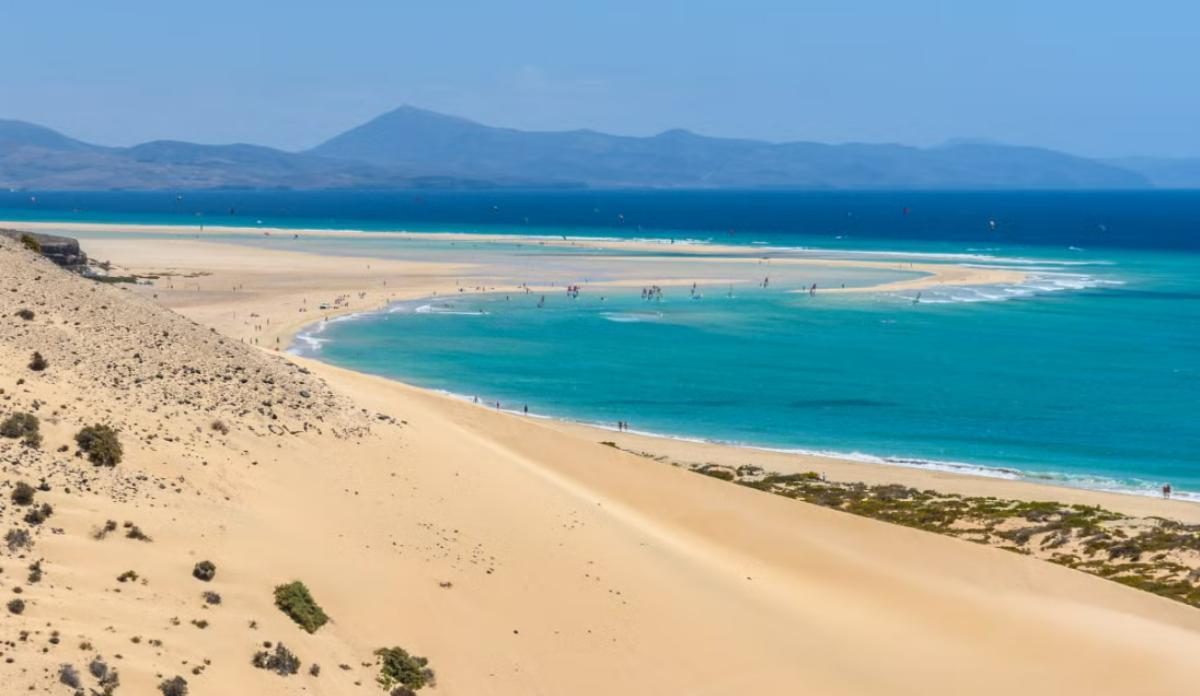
x: 1099, y: 77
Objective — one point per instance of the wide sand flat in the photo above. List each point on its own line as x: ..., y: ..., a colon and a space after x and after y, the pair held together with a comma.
x: 572, y: 567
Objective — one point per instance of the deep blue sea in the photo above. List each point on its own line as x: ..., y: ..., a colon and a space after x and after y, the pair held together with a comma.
x: 1088, y: 373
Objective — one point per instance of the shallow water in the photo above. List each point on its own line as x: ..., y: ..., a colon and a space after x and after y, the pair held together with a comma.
x: 1087, y: 373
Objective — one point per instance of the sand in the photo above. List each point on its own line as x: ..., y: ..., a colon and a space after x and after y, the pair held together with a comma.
x: 520, y: 555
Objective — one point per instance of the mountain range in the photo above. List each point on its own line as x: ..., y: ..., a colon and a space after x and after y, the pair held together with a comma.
x: 414, y: 148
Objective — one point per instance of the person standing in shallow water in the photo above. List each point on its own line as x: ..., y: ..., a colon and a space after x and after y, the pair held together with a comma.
x: 1166, y: 490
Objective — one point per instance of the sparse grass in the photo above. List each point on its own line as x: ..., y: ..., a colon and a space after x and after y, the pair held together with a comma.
x: 294, y: 600
x: 398, y: 668
x: 101, y: 444
x: 31, y: 243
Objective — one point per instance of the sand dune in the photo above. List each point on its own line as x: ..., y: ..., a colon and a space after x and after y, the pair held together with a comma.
x: 520, y: 556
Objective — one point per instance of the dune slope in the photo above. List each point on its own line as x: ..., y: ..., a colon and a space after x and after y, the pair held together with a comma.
x: 519, y: 557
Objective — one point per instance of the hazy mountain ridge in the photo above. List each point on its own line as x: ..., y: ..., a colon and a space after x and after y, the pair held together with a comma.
x: 414, y: 148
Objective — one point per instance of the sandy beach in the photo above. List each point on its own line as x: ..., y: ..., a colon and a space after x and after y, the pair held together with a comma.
x: 520, y: 555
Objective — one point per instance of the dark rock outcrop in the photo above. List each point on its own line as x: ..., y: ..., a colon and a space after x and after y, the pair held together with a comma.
x: 63, y: 251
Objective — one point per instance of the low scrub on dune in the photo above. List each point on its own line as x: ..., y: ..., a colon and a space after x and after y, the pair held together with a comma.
x: 38, y: 362
x: 101, y: 445
x: 22, y: 493
x: 24, y: 426
x: 280, y: 661
x: 204, y: 570
x: 295, y: 600
x: 397, y: 668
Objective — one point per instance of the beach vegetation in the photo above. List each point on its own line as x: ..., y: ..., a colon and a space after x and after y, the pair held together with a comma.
x: 16, y: 606
x: 68, y: 675
x: 280, y: 660
x: 25, y: 313
x: 101, y: 444
x: 204, y: 570
x: 38, y: 362
x: 295, y: 600
x: 39, y: 514
x: 22, y: 493
x: 17, y: 539
x: 1152, y: 554
x: 175, y: 686
x: 398, y: 668
x: 24, y: 426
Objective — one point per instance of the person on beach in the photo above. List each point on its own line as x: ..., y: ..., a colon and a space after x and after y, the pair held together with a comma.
x: 1166, y: 490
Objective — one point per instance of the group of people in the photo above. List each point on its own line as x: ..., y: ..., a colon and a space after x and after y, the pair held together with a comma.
x: 572, y: 291
x: 623, y: 426
x: 652, y: 293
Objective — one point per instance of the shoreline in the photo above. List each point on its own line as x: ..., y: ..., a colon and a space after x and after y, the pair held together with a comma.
x: 285, y: 336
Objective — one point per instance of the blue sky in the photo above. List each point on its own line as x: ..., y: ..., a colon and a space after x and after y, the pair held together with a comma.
x: 1096, y: 78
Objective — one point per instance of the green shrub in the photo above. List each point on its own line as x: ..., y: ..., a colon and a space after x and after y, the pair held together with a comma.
x: 282, y: 661
x: 38, y: 363
x: 23, y: 493
x: 294, y: 600
x: 16, y: 606
x: 24, y: 426
x: 39, y: 515
x: 25, y: 313
x: 396, y: 666
x: 101, y: 444
x: 175, y: 686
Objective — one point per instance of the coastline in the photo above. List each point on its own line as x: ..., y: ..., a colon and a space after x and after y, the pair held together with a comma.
x: 519, y: 554
x: 275, y: 294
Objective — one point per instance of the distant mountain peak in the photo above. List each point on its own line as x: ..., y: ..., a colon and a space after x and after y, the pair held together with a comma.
x: 410, y: 146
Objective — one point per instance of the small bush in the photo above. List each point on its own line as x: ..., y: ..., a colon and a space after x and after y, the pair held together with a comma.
x: 204, y: 570
x: 19, y: 425
x: 127, y: 576
x: 38, y: 363
x: 220, y: 427
x: 67, y: 674
x: 295, y: 601
x: 101, y: 444
x: 398, y: 668
x: 16, y: 606
x: 98, y: 668
x: 39, y: 515
x: 211, y: 598
x: 23, y: 493
x: 17, y: 539
x: 175, y: 686
x: 25, y: 313
x: 135, y: 532
x: 282, y: 661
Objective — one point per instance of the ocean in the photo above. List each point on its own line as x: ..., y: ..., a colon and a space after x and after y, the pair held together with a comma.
x: 1086, y: 374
